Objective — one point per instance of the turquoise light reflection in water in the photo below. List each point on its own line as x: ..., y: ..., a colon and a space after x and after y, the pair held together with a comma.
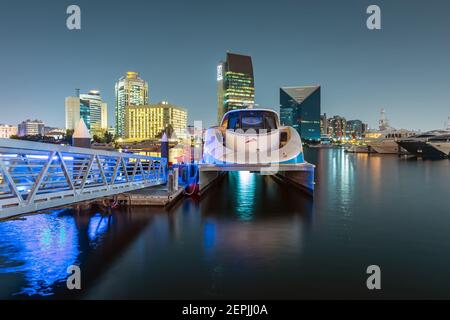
x: 245, y: 194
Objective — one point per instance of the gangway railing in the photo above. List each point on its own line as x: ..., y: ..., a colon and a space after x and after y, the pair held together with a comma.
x: 36, y: 176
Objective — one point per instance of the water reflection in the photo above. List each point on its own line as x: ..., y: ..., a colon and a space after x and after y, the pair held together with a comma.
x: 36, y: 250
x: 249, y: 237
x: 245, y: 190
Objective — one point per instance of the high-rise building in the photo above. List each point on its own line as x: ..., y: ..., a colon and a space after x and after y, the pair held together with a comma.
x: 337, y: 127
x: 131, y: 90
x: 300, y: 108
x: 76, y: 109
x: 31, y: 128
x: 354, y: 129
x: 7, y: 130
x: 89, y: 107
x: 148, y: 121
x: 235, y: 84
x: 98, y: 112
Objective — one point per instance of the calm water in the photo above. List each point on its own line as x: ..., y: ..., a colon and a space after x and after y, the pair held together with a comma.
x: 251, y: 237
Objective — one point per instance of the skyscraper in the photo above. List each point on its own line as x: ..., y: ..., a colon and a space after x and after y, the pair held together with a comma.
x: 300, y: 108
x: 76, y: 109
x: 89, y: 107
x: 130, y: 91
x: 235, y: 84
x: 148, y: 121
x: 98, y: 121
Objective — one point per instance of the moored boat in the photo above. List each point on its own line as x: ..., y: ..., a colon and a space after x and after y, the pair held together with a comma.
x: 418, y: 145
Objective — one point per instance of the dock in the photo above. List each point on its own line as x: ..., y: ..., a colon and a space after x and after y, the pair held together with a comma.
x: 153, y: 196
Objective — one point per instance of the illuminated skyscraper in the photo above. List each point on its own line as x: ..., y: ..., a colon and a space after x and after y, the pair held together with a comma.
x: 300, y: 108
x: 98, y: 121
x: 148, y: 121
x: 89, y: 107
x: 130, y: 91
x: 235, y: 84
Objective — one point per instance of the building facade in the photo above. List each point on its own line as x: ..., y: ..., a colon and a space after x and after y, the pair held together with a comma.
x: 354, y: 129
x: 337, y: 127
x: 148, y: 121
x: 31, y: 128
x: 323, y: 124
x: 130, y: 90
x: 89, y: 107
x: 7, y: 130
x: 76, y: 109
x: 235, y: 84
x: 98, y: 112
x: 300, y: 108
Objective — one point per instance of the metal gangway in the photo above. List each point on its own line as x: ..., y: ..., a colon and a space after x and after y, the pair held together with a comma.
x: 36, y: 176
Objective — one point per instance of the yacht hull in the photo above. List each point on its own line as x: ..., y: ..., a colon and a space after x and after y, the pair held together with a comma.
x: 387, y: 147
x: 421, y: 149
x: 443, y: 148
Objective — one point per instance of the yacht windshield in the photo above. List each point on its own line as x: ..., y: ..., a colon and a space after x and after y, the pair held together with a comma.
x: 257, y: 120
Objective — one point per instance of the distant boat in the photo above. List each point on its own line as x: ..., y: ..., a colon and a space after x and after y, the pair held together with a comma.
x: 418, y: 145
x: 358, y: 148
x: 387, y: 142
x: 325, y: 142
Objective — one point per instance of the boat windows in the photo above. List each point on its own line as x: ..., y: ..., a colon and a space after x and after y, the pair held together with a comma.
x: 257, y: 120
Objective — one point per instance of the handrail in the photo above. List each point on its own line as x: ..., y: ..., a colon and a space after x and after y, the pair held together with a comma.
x: 35, y: 176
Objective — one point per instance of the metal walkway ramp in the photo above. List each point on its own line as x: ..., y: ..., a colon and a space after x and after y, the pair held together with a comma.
x: 36, y: 176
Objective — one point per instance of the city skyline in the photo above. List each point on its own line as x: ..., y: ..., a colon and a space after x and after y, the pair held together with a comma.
x: 360, y: 71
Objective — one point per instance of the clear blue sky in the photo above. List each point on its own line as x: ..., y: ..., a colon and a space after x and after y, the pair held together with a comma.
x: 175, y: 45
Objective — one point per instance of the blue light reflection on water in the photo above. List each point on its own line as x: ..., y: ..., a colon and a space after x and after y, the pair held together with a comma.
x: 98, y: 225
x: 40, y: 247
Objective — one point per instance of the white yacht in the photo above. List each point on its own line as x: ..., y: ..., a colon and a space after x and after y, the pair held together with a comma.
x: 386, y: 142
x: 252, y: 136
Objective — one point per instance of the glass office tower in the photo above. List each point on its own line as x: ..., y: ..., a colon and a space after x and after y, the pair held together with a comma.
x: 131, y: 90
x: 300, y: 108
x: 235, y: 84
x: 77, y: 108
x: 98, y: 122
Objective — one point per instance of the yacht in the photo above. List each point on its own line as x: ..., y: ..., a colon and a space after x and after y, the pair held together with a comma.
x: 252, y: 136
x: 386, y: 143
x: 418, y: 145
x: 441, y: 144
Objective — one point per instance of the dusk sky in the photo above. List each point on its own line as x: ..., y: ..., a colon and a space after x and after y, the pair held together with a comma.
x: 176, y: 45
